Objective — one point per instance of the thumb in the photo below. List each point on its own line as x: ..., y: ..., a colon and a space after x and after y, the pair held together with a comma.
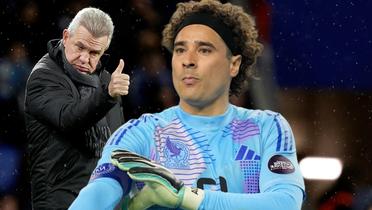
x: 120, y: 67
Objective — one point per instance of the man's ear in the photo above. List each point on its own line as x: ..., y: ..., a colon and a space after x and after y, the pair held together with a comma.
x: 65, y: 36
x: 236, y: 60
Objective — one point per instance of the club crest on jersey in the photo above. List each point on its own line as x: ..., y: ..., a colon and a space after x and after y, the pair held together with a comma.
x: 280, y: 165
x: 176, y: 153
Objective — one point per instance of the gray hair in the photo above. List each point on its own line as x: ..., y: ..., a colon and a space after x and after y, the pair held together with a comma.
x: 97, y: 22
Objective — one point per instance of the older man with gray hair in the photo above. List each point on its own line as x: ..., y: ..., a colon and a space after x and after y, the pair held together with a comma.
x: 72, y: 106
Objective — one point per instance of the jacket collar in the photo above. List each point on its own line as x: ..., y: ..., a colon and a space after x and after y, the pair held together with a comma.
x: 56, y: 51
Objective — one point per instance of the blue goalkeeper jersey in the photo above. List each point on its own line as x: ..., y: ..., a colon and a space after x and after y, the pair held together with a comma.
x: 242, y: 151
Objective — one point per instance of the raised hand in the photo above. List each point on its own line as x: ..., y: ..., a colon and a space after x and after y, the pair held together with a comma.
x: 119, y: 83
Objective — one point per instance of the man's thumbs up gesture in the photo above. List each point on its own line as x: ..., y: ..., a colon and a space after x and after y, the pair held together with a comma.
x: 119, y: 84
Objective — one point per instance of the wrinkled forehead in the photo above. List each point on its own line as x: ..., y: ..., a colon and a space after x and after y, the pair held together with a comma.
x: 82, y: 37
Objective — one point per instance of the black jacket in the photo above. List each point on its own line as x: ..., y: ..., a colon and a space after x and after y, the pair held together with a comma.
x: 69, y: 117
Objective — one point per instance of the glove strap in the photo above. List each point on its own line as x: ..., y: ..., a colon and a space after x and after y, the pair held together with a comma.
x: 192, y: 198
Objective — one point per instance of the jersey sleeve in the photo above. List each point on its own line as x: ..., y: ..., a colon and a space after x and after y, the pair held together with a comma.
x: 102, y: 194
x: 281, y: 197
x: 108, y: 180
x: 136, y: 136
x: 279, y: 158
x: 281, y: 183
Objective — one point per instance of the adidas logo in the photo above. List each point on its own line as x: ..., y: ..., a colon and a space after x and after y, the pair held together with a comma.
x: 246, y: 154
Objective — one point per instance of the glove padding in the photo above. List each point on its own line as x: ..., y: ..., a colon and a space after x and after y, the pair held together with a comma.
x: 161, y: 186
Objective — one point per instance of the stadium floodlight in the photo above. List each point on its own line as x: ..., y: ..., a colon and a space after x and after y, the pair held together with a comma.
x: 321, y: 168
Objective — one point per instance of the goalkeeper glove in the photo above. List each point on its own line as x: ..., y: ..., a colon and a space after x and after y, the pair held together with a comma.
x: 161, y: 186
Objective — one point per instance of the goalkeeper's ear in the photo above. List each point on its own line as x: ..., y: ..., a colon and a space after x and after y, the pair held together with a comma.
x: 108, y: 170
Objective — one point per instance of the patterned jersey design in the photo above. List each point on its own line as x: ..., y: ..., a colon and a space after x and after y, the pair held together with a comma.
x: 182, y: 151
x: 241, y: 130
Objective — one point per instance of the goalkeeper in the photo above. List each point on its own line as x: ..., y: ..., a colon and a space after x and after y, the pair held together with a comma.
x: 204, y: 153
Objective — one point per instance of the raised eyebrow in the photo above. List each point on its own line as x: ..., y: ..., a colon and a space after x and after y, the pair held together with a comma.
x: 199, y: 43
x: 179, y: 43
x: 80, y: 44
x: 203, y: 43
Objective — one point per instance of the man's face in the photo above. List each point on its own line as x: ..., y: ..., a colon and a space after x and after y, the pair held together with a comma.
x: 83, y: 50
x: 202, y: 71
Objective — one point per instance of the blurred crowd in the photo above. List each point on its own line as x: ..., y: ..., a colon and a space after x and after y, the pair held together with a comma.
x: 28, y: 25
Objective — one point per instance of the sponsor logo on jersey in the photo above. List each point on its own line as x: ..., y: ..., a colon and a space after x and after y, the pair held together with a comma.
x: 280, y: 165
x: 103, y: 169
x: 111, y: 171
